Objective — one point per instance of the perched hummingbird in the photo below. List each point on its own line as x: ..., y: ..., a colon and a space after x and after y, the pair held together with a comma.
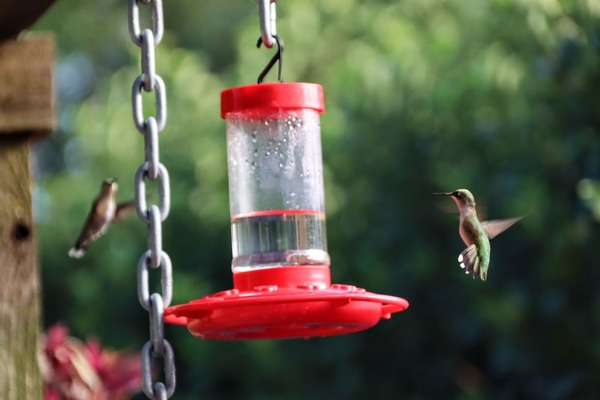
x: 105, y: 211
x: 476, y: 234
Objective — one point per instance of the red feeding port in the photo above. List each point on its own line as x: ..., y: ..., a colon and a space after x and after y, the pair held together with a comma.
x: 302, y: 305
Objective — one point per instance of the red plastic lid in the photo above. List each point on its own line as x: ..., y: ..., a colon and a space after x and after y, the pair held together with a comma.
x: 273, y: 95
x: 284, y: 311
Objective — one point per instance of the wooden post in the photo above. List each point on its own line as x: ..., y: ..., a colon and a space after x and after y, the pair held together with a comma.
x: 26, y: 114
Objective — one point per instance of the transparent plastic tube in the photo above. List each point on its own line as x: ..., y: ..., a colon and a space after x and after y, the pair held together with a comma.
x: 275, y: 171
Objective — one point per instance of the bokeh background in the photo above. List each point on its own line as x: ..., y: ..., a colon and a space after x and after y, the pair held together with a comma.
x: 501, y: 97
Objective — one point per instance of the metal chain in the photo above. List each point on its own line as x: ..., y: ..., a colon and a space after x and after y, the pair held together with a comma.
x: 157, y: 347
x: 267, y: 17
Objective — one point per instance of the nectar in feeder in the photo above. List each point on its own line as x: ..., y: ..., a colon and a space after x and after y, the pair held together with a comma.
x: 275, y: 176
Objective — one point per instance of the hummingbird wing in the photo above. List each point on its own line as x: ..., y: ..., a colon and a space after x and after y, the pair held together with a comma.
x: 496, y: 227
x: 469, y: 260
x: 481, y: 210
x: 124, y: 210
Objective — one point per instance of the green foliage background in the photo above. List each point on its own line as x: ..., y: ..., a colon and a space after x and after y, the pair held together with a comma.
x: 500, y: 96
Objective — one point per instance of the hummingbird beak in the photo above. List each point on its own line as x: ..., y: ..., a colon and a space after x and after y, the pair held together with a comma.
x: 449, y: 194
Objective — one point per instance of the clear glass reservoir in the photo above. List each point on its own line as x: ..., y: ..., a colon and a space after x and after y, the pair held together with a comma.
x: 275, y: 171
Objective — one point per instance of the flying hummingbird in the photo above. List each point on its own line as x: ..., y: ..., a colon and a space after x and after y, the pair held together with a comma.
x: 104, y: 212
x: 476, y: 234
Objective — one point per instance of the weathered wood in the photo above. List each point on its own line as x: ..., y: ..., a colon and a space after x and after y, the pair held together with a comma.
x: 26, y: 112
x: 16, y: 15
x: 26, y: 100
x: 19, y: 281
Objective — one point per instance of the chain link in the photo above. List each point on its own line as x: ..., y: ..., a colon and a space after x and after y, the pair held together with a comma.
x: 267, y: 18
x: 161, y: 103
x: 134, y: 21
x: 164, y: 191
x: 157, y: 348
x: 169, y: 371
x: 148, y: 62
x: 166, y: 279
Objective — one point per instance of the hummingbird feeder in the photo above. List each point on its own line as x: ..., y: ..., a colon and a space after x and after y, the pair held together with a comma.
x: 281, y: 278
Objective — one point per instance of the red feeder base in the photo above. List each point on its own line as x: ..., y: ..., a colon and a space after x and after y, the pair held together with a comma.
x: 284, y: 303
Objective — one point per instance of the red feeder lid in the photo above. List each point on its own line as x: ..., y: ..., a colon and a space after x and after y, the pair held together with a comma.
x: 271, y: 311
x: 273, y: 95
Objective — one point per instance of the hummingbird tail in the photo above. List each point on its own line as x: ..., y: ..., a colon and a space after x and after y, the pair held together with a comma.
x: 469, y: 261
x: 76, y: 252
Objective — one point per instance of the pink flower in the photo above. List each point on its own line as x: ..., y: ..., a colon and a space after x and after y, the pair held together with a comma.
x: 73, y: 370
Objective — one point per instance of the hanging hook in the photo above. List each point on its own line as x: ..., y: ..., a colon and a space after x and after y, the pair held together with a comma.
x: 277, y: 57
x: 267, y: 17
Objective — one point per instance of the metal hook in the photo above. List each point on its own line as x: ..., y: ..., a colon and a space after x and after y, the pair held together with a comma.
x: 277, y: 57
